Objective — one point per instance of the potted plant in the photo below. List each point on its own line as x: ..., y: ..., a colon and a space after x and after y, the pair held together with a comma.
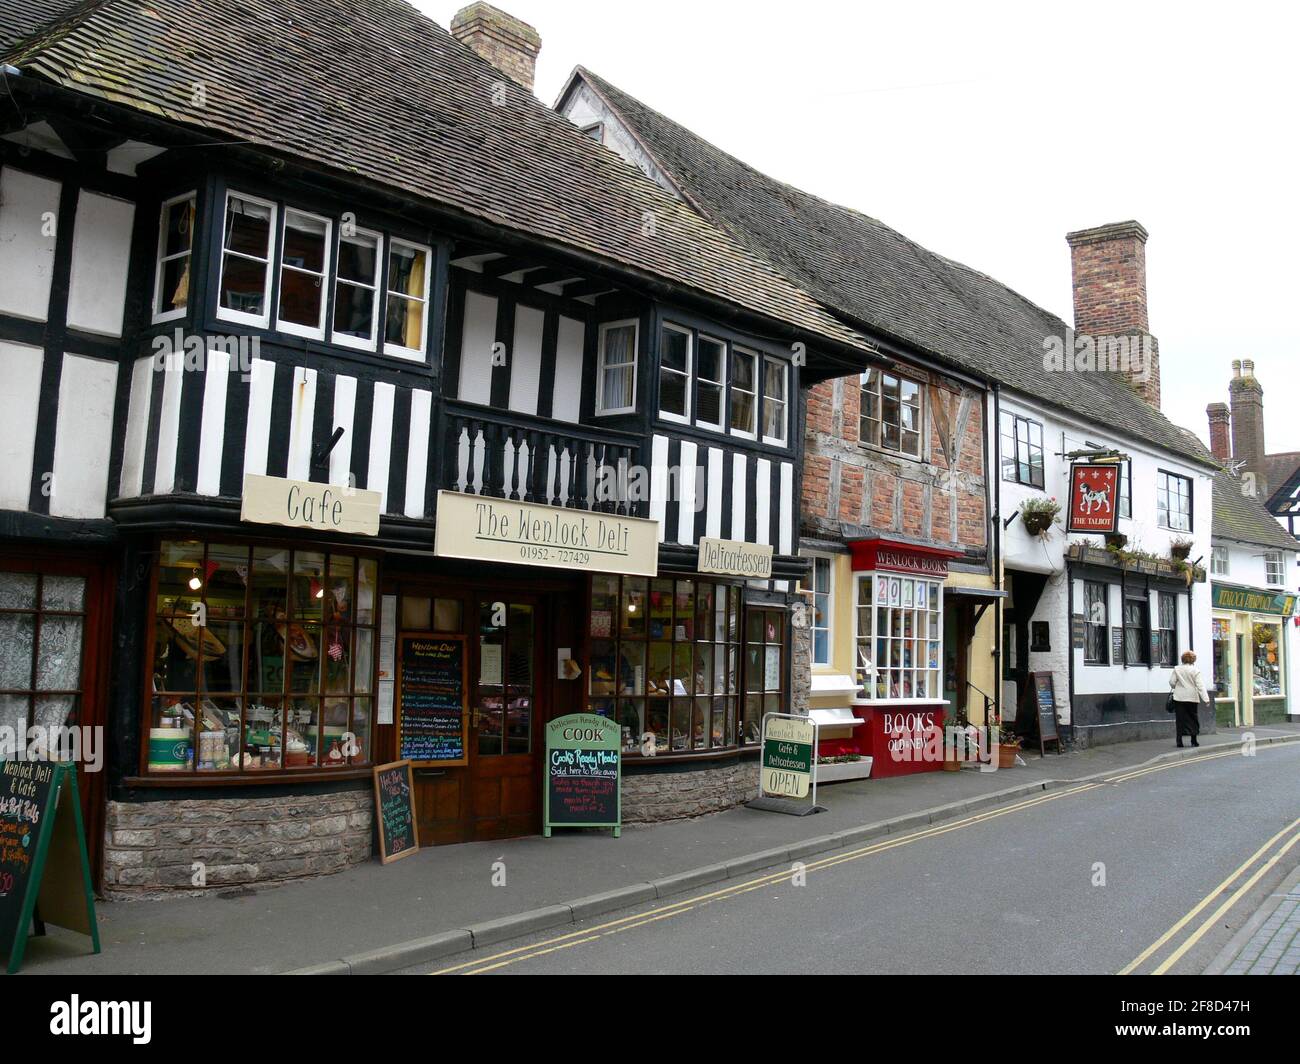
x: 1180, y: 549
x: 1008, y: 746
x: 1038, y: 515
x: 955, y: 756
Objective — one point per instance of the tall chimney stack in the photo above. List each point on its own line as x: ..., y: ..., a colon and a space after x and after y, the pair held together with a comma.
x: 503, y: 40
x: 1109, y: 265
x: 1220, y: 431
x: 1246, y: 396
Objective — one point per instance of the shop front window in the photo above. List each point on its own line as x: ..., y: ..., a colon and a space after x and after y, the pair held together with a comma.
x: 665, y: 662
x: 1267, y: 639
x: 1223, y: 658
x: 263, y: 659
x: 898, y: 636
x: 764, y: 670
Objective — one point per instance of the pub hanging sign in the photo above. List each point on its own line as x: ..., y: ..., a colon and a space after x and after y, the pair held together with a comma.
x: 1094, y: 498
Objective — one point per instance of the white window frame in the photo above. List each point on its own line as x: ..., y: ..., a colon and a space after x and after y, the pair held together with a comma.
x: 1220, y: 561
x: 397, y: 350
x: 605, y: 329
x: 261, y: 321
x: 290, y: 327
x: 879, y: 442
x: 160, y: 259
x: 784, y: 439
x: 724, y: 412
x: 668, y: 415
x: 829, y: 627
x: 344, y: 339
x: 1273, y: 560
x: 934, y: 607
x: 737, y: 351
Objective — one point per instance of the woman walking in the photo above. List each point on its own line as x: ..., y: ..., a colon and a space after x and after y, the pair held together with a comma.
x: 1187, y: 692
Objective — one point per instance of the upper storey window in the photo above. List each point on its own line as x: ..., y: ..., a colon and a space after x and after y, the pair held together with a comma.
x: 304, y: 267
x: 246, y: 248
x: 616, y: 383
x: 175, y: 250
x: 675, y: 374
x: 356, y: 290
x: 407, y: 323
x: 891, y: 413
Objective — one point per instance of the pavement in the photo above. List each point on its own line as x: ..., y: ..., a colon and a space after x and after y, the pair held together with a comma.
x: 449, y: 900
x: 1269, y: 943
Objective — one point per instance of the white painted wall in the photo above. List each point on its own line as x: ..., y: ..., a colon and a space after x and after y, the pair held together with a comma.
x: 83, y: 436
x: 29, y: 209
x: 101, y: 251
x: 21, y: 367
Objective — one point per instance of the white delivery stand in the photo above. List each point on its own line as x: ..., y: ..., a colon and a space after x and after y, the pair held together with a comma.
x: 783, y: 781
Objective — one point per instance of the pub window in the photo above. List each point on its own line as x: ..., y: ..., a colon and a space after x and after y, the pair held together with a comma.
x: 1168, y: 630
x: 356, y: 290
x: 1022, y: 451
x: 822, y: 588
x: 175, y: 252
x: 675, y: 374
x: 665, y: 663
x: 744, y: 392
x: 262, y: 660
x: 247, y: 234
x: 712, y: 383
x: 1274, y: 570
x: 764, y: 670
x: 1173, y: 501
x: 406, y: 321
x: 1137, y: 633
x: 304, y: 266
x: 1096, y: 623
x: 616, y: 381
x: 775, y: 403
x: 891, y: 413
x: 898, y: 636
x: 1125, y: 490
x: 1219, y: 561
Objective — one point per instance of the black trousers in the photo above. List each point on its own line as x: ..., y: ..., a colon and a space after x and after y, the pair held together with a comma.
x: 1186, y: 720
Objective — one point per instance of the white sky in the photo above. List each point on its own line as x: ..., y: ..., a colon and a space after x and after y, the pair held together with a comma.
x: 988, y: 130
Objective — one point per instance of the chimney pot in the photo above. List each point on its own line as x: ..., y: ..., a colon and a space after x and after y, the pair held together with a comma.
x: 1236, y: 367
x: 503, y: 40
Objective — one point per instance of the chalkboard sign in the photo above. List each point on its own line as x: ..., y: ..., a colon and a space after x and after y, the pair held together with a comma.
x: 395, y: 812
x: 584, y: 766
x: 44, y: 866
x: 1045, y: 698
x: 432, y: 722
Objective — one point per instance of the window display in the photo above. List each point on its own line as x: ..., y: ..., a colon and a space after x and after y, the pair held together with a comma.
x: 1267, y: 639
x: 1223, y: 658
x: 263, y: 659
x: 665, y: 661
x: 899, y: 633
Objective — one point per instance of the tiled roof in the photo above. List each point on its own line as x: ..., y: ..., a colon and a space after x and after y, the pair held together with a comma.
x: 21, y: 19
x: 1281, y: 469
x: 376, y: 90
x: 1242, y: 517
x: 875, y: 276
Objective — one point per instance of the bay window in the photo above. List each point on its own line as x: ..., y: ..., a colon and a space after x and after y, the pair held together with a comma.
x: 407, y: 317
x: 171, y: 298
x: 774, y: 401
x: 244, y: 291
x: 304, y: 266
x: 712, y: 382
x: 675, y: 374
x: 356, y: 290
x: 616, y: 378
x: 744, y: 392
x: 898, y: 637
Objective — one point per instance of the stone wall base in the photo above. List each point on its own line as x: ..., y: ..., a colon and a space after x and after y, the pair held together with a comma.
x: 193, y: 846
x: 652, y: 797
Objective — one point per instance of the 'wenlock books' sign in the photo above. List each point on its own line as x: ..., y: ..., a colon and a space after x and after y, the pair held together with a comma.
x: 1094, y: 498
x: 432, y: 722
x: 44, y: 866
x: 584, y: 765
x: 395, y: 812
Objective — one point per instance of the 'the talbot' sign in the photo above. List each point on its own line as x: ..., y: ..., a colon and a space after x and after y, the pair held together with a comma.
x: 1094, y: 498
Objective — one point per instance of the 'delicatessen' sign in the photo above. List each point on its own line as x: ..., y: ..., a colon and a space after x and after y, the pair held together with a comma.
x: 727, y: 557
x: 1094, y: 498
x: 300, y: 504
x: 479, y: 528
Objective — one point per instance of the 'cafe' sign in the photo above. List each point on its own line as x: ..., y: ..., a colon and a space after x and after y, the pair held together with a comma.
x: 299, y: 504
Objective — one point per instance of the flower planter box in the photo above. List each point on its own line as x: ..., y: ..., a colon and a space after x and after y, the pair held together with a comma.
x: 847, y: 770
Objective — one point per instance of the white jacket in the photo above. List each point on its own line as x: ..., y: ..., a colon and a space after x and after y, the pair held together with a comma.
x: 1188, y: 685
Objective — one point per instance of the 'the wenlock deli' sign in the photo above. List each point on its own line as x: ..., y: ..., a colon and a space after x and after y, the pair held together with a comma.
x: 479, y: 528
x: 1094, y: 498
x: 726, y: 557
x: 299, y: 504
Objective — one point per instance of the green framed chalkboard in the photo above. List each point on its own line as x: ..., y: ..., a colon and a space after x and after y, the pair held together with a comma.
x: 395, y: 812
x: 584, y: 774
x: 432, y: 708
x: 44, y: 865
x: 1045, y: 704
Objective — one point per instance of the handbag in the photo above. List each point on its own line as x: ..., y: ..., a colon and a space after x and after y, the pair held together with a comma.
x: 1171, y: 706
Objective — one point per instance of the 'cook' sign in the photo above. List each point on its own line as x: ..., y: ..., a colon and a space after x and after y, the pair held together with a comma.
x: 299, y: 504
x: 481, y: 528
x: 725, y: 557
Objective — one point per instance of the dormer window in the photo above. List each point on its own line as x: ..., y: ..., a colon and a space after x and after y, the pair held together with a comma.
x: 245, y: 288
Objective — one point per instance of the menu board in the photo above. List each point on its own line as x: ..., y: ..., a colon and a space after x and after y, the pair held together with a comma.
x: 395, y: 812
x: 583, y: 774
x: 1045, y: 699
x: 432, y: 721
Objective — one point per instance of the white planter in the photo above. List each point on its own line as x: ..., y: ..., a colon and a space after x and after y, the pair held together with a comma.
x: 849, y: 770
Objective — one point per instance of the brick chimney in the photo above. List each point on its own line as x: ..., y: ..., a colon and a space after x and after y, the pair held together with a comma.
x: 1220, y: 431
x: 1246, y: 396
x: 508, y: 44
x: 1109, y: 265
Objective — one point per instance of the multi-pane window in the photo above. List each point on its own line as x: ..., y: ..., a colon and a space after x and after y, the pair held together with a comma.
x: 764, y: 670
x: 665, y: 662
x: 822, y: 585
x: 899, y: 636
x: 1137, y: 632
x: 891, y: 413
x: 42, y: 628
x: 1219, y: 561
x: 356, y: 289
x: 244, y: 293
x: 712, y: 373
x: 1174, y: 501
x: 616, y: 382
x: 406, y: 319
x: 304, y: 266
x: 1268, y: 673
x: 744, y: 392
x: 774, y: 401
x: 1022, y: 450
x: 1274, y: 570
x: 1125, y: 490
x: 1096, y: 623
x: 175, y: 251
x: 675, y: 374
x: 1167, y: 633
x: 505, y: 718
x: 263, y: 659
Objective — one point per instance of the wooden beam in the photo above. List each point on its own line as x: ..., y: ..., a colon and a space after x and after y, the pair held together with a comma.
x: 588, y: 288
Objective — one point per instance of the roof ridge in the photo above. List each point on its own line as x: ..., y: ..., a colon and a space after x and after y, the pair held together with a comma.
x: 56, y: 28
